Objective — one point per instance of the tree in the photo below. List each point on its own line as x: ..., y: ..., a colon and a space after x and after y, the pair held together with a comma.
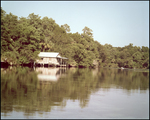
x: 47, y: 45
x: 34, y: 20
x: 22, y: 39
x: 87, y: 31
x: 66, y: 27
x: 145, y: 49
x: 137, y: 56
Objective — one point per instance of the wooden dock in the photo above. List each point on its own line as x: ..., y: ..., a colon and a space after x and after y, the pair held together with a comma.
x: 49, y: 64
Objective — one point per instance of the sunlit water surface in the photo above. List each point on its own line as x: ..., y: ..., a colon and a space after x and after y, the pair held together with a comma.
x: 74, y: 93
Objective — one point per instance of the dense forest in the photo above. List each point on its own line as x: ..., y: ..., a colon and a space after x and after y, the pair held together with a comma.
x: 23, y: 38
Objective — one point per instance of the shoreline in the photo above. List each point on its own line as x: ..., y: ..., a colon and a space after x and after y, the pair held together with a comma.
x: 7, y: 65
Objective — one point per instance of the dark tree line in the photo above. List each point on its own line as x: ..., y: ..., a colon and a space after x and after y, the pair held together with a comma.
x: 23, y: 38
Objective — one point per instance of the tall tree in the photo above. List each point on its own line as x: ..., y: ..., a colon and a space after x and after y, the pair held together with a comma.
x: 87, y: 31
x: 66, y: 27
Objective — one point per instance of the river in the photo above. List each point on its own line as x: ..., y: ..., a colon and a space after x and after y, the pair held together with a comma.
x: 74, y: 93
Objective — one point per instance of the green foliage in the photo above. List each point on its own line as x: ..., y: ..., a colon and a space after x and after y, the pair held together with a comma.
x: 22, y: 39
x: 137, y: 56
x: 87, y: 31
x: 66, y: 27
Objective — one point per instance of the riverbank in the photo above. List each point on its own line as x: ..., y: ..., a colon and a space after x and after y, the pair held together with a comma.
x: 6, y: 65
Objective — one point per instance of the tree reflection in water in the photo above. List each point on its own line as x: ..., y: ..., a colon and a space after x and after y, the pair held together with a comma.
x: 29, y: 91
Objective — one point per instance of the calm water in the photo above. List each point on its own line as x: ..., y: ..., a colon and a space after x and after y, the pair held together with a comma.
x: 74, y: 93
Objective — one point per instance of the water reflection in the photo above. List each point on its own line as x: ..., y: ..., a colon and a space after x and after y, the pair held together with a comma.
x: 29, y: 91
x: 49, y: 74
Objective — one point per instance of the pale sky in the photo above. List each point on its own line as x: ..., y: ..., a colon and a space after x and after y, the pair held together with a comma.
x: 118, y: 23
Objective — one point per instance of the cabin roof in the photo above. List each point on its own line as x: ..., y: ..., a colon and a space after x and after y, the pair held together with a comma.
x: 50, y: 54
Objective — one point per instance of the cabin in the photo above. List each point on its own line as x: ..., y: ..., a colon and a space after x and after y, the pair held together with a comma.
x: 51, y: 59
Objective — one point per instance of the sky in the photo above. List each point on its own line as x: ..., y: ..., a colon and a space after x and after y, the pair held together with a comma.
x: 118, y: 23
